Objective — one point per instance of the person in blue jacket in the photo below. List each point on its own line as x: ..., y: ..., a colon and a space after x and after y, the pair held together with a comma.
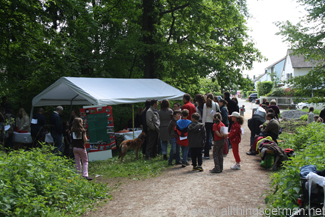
x: 56, y: 128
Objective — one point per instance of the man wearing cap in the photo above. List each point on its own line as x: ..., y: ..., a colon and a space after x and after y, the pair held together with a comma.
x: 56, y: 128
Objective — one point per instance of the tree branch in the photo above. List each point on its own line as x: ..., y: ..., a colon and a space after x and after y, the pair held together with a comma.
x: 174, y: 9
x: 114, y: 6
x: 172, y: 26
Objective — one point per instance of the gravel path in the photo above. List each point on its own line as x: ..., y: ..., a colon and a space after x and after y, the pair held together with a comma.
x: 182, y: 192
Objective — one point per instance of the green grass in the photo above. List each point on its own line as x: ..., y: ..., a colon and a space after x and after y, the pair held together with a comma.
x: 290, y: 126
x: 131, y: 168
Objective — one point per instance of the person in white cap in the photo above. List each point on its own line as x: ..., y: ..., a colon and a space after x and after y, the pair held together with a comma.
x: 235, y: 137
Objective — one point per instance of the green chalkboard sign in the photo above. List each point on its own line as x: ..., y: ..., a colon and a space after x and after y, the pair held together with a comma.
x: 97, y: 128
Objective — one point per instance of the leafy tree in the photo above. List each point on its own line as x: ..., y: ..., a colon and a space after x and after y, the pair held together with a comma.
x: 178, y: 41
x: 208, y: 85
x: 276, y: 92
x: 307, y: 38
x: 246, y: 85
x: 264, y: 87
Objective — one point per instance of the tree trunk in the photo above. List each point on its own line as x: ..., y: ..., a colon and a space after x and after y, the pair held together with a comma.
x: 148, y: 21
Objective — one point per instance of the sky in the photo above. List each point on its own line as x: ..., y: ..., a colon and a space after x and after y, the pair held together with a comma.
x: 264, y: 14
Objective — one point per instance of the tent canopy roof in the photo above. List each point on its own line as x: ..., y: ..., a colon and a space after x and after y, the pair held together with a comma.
x: 104, y: 91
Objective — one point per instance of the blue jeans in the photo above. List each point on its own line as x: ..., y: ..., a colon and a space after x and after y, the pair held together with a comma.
x: 184, y: 153
x: 164, y: 147
x: 174, y: 150
x: 57, y: 139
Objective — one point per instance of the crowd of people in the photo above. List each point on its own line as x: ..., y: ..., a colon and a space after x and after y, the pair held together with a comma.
x: 264, y: 122
x: 193, y: 129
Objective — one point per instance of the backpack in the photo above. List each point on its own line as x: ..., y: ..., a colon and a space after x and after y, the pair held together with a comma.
x: 181, y: 134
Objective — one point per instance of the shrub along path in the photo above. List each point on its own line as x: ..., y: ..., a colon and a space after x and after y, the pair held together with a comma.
x: 179, y: 191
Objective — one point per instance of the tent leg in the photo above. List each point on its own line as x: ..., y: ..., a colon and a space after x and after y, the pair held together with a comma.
x: 133, y: 119
x: 31, y: 112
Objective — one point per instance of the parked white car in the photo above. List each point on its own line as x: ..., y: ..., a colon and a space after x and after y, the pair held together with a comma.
x: 303, y: 105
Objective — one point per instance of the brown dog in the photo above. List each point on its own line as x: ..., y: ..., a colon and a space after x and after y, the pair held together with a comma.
x: 133, y: 144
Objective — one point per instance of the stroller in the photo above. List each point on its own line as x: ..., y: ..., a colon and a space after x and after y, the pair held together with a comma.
x: 311, y: 201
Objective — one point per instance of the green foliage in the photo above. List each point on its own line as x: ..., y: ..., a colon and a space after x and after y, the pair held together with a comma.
x: 276, y: 92
x: 246, y: 85
x: 38, y: 183
x: 250, y: 92
x: 309, y: 147
x: 42, y: 41
x: 264, y: 87
x: 131, y: 168
x: 121, y: 115
x: 304, y: 117
x: 208, y: 85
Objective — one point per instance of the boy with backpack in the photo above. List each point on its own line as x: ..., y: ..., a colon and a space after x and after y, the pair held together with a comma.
x: 196, y: 141
x: 173, y: 135
x: 182, y: 131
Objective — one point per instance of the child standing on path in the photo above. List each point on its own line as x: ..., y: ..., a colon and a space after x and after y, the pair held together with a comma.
x: 196, y: 140
x: 172, y: 133
x: 235, y: 137
x: 242, y: 110
x: 219, y: 143
x: 182, y: 131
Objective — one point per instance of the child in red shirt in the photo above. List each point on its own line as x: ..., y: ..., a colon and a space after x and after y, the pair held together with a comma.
x: 219, y: 143
x: 235, y: 137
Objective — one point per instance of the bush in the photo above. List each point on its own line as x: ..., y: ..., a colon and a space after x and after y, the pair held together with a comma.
x: 309, y: 146
x: 244, y: 94
x: 37, y: 183
x: 264, y: 87
x: 304, y: 117
x: 276, y: 92
x: 250, y: 92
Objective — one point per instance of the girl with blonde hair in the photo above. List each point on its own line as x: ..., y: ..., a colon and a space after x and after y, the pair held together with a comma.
x: 79, y: 138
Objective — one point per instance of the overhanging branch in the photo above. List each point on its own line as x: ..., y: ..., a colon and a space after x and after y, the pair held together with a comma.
x: 174, y: 9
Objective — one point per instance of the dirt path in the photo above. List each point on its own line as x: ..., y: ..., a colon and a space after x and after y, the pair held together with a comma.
x: 182, y: 192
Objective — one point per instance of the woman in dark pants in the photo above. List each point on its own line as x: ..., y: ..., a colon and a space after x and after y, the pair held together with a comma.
x: 209, y: 109
x: 224, y: 113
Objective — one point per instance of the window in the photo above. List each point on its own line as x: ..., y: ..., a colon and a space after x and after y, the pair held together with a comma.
x: 289, y: 75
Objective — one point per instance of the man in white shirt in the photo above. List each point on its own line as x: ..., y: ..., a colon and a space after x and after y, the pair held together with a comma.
x: 261, y: 112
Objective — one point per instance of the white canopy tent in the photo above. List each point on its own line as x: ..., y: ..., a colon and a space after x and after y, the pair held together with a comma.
x: 104, y: 91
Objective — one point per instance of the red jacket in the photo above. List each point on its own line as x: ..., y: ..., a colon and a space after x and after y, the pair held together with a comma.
x: 191, y: 108
x: 235, y: 133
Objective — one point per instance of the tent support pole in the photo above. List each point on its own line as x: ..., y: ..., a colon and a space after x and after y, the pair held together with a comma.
x: 71, y: 102
x: 133, y: 119
x: 31, y: 112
